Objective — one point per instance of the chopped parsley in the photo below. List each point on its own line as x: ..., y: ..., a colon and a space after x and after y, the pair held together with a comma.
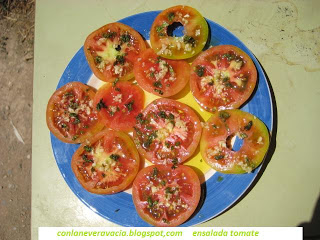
x: 158, y: 91
x: 86, y: 159
x: 98, y: 59
x: 162, y: 114
x: 129, y: 105
x: 155, y: 172
x: 157, y: 84
x: 163, y: 182
x: 219, y: 179
x: 87, y: 148
x: 224, y: 115
x: 125, y: 38
x: 74, y: 137
x: 115, y: 157
x: 68, y: 94
x: 188, y: 39
x: 175, y: 163
x: 248, y: 126
x: 109, y: 34
x: 101, y: 105
x: 219, y: 157
x: 140, y: 119
x: 170, y: 16
x: 199, y: 70
x: 151, y: 203
x: 243, y: 135
x: 120, y: 60
x: 115, y: 82
x: 228, y: 56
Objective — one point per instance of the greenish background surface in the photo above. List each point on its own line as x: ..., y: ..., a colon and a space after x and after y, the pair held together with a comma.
x: 283, y: 35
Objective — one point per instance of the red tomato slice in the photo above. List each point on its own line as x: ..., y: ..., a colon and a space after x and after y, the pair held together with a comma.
x: 166, y: 197
x: 222, y: 77
x: 118, y: 104
x: 71, y: 115
x: 111, y: 51
x: 107, y: 163
x: 160, y: 76
x: 167, y: 132
x: 172, y: 47
x: 215, y: 145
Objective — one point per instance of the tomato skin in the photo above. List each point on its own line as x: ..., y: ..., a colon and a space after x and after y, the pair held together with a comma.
x: 183, y: 177
x: 215, y: 147
x: 109, y: 47
x: 187, y: 145
x: 178, y: 70
x: 79, y: 90
x: 122, y: 119
x: 195, y: 27
x: 109, y: 139
x: 219, y: 95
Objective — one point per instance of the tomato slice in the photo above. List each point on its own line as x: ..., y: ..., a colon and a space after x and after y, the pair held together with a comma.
x: 118, y: 104
x: 222, y: 77
x: 166, y: 197
x: 71, y: 116
x: 107, y: 163
x: 215, y: 145
x: 173, y: 47
x: 111, y: 51
x: 167, y: 132
x: 160, y: 76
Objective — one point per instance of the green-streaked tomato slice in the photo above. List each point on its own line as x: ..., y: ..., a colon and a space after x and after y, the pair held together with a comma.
x: 172, y: 47
x: 215, y: 144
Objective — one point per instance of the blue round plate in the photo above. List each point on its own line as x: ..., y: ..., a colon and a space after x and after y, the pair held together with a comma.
x: 218, y: 195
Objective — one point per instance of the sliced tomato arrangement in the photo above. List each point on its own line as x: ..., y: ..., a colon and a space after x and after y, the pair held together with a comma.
x: 160, y: 76
x: 172, y: 47
x: 215, y: 145
x: 222, y: 77
x: 166, y: 197
x: 118, y: 104
x: 111, y: 51
x: 167, y: 132
x: 107, y: 163
x: 71, y: 116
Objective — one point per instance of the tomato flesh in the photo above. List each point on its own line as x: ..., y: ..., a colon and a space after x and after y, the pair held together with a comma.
x: 215, y: 145
x: 166, y: 196
x: 222, y: 77
x: 173, y: 47
x: 71, y: 116
x: 160, y: 76
x: 106, y: 163
x: 111, y: 51
x: 167, y: 132
x: 118, y: 104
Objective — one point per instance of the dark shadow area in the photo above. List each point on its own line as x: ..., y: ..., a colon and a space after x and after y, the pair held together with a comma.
x: 311, y: 230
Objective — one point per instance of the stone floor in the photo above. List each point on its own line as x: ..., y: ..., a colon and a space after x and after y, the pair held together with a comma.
x: 16, y: 75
